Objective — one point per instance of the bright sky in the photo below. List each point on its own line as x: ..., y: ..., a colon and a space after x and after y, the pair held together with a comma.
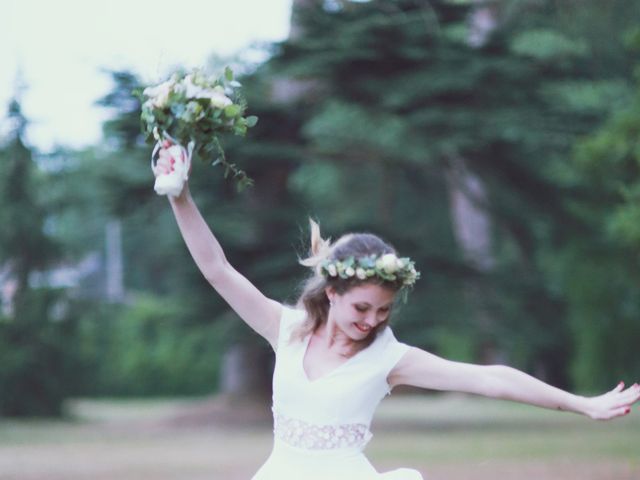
x: 60, y: 46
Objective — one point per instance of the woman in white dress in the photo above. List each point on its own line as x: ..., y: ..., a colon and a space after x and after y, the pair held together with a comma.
x: 336, y: 357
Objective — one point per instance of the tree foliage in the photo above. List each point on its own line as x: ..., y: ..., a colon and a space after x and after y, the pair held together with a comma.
x: 36, y: 366
x: 359, y: 130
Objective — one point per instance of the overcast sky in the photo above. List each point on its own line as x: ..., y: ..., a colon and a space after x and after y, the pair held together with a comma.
x: 60, y: 47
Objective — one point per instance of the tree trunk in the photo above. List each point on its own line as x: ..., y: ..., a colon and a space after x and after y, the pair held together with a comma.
x: 113, y: 261
x: 246, y: 370
x: 472, y: 225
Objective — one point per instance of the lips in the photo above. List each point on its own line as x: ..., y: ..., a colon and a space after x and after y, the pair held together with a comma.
x: 364, y: 328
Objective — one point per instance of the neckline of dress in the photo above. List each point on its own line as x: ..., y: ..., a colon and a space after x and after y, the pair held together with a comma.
x: 305, y: 349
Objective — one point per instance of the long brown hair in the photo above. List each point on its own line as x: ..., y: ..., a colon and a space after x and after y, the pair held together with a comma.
x: 314, y: 298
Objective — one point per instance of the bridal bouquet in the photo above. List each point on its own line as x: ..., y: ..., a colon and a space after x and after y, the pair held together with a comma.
x: 184, y: 116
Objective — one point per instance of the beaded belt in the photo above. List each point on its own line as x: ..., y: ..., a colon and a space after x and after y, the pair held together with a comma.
x: 319, y: 437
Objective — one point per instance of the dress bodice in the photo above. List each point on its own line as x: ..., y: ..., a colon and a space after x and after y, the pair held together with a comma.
x: 336, y: 409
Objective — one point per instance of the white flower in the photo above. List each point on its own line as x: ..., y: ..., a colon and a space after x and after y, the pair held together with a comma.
x: 332, y: 270
x: 411, y: 277
x: 219, y: 100
x: 360, y: 273
x: 159, y: 95
x: 215, y: 95
x: 389, y: 263
x: 191, y: 90
x: 350, y: 272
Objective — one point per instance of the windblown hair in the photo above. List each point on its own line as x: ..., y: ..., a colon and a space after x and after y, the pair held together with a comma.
x: 314, y: 298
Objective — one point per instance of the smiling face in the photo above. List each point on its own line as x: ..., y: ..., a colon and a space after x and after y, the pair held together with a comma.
x: 359, y: 310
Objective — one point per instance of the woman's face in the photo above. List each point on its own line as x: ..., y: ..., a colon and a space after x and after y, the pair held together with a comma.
x: 360, y: 309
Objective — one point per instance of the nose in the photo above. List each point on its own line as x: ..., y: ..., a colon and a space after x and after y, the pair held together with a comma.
x: 374, y: 319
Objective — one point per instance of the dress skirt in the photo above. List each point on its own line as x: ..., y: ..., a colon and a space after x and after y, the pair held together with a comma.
x: 287, y: 462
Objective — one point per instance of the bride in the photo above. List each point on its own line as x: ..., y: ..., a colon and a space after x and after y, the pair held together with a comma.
x: 336, y: 356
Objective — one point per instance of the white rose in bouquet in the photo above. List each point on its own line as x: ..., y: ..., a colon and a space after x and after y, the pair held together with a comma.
x: 219, y: 99
x: 159, y: 95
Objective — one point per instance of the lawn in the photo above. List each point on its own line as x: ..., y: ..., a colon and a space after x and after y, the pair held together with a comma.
x: 446, y: 437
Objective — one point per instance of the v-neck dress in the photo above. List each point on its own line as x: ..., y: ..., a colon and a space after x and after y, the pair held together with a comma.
x: 321, y: 426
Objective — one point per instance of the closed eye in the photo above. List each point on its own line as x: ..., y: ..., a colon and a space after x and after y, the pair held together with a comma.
x: 362, y: 309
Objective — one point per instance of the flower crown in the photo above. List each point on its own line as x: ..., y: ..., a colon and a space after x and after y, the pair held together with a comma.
x: 388, y: 267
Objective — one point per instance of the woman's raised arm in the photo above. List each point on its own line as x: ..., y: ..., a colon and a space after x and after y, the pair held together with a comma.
x: 422, y: 369
x: 259, y: 312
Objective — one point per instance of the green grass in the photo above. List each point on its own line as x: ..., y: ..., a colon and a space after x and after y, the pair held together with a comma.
x: 448, y: 437
x: 448, y: 427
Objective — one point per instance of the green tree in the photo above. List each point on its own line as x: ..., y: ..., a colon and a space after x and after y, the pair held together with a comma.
x: 35, y: 360
x: 113, y: 181
x: 600, y: 272
x: 396, y: 96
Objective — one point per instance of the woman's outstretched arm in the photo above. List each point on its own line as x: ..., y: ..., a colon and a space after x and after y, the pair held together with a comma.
x: 422, y: 369
x: 259, y: 312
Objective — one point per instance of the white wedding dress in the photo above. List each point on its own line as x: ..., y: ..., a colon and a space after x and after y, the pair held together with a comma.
x: 321, y: 426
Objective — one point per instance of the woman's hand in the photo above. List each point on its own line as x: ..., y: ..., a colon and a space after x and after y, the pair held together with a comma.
x: 613, y: 404
x: 165, y: 163
x: 171, y: 169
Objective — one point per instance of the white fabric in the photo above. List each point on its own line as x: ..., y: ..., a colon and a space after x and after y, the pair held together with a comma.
x: 322, y: 426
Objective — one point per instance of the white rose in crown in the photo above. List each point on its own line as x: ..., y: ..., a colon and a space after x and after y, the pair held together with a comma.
x: 332, y: 270
x: 388, y: 262
x: 171, y: 168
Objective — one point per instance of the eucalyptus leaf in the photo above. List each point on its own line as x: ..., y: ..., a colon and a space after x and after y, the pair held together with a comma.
x: 232, y: 110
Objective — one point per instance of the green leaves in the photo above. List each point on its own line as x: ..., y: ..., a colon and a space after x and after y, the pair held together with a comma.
x: 232, y: 111
x: 193, y: 107
x: 547, y: 45
x: 228, y: 74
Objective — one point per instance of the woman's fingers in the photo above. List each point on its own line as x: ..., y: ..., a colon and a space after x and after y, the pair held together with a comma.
x: 625, y: 397
x: 623, y: 400
x: 618, y: 388
x: 164, y: 163
x: 615, y: 403
x: 621, y: 411
x: 159, y: 169
x: 609, y: 413
x: 633, y: 394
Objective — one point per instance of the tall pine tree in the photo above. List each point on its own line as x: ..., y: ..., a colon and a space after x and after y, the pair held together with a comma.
x: 34, y: 358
